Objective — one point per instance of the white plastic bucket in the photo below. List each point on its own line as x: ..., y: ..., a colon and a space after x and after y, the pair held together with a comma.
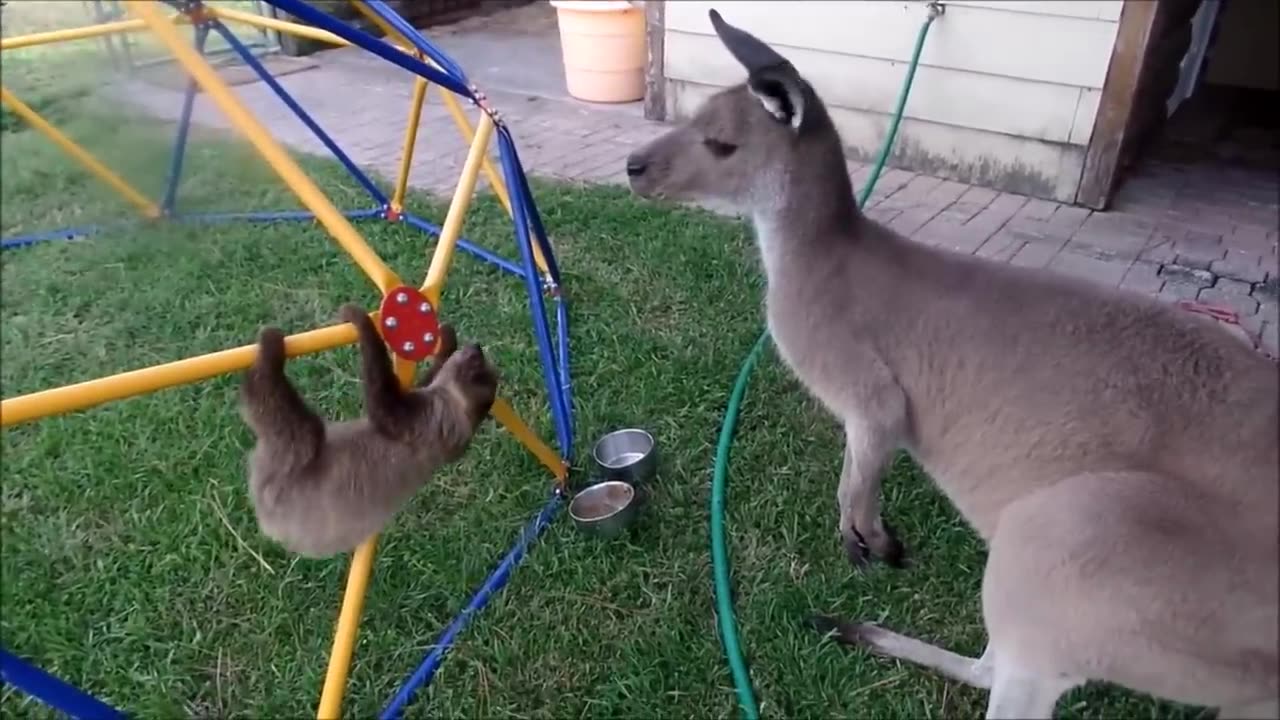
x: 603, y: 47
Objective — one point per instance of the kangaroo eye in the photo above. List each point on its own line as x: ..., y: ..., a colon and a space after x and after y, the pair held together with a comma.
x: 719, y: 148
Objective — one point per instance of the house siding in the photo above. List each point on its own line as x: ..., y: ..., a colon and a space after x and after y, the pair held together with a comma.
x: 1005, y: 95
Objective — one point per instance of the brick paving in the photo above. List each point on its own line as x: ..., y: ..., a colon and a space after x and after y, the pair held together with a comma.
x: 1201, y: 232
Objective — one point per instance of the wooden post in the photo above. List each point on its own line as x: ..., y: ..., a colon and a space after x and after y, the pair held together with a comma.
x: 655, y: 81
x: 1128, y: 56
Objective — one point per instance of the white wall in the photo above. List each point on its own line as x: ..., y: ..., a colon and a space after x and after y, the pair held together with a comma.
x: 1005, y: 94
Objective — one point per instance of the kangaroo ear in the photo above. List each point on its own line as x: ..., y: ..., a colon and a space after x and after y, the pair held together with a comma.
x: 748, y: 49
x: 771, y: 78
x: 782, y: 93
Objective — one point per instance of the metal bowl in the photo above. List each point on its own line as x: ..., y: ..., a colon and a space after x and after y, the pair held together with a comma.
x: 605, y: 509
x: 630, y: 454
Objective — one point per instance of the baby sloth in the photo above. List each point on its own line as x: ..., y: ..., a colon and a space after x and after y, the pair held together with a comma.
x: 321, y: 488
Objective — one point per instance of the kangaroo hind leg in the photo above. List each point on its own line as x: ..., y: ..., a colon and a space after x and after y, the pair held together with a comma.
x: 1017, y: 694
x: 1118, y: 577
x: 975, y: 672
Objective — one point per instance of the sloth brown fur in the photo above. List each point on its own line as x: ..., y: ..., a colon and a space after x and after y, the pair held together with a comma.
x: 321, y: 488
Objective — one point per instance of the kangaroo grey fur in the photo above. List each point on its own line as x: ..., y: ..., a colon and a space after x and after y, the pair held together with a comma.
x: 1118, y: 456
x: 322, y: 488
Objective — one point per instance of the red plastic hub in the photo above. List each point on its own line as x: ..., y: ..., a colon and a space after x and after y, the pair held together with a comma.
x: 409, y: 324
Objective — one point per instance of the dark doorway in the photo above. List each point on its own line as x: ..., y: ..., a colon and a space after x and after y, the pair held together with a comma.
x: 1192, y: 83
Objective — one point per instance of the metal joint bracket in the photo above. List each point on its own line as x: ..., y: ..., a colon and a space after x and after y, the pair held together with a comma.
x: 196, y: 12
x: 480, y: 100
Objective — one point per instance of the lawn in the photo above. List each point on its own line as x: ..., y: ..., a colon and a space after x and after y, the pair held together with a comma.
x: 124, y: 568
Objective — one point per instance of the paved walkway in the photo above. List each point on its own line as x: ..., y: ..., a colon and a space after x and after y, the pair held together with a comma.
x: 1178, y: 232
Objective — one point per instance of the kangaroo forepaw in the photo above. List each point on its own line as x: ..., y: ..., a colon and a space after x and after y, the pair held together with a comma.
x: 856, y: 549
x: 883, y: 546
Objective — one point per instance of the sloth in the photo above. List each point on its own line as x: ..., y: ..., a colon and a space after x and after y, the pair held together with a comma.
x: 321, y: 488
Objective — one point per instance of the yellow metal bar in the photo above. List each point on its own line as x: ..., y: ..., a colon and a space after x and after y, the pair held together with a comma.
x: 284, y: 26
x: 344, y: 638
x: 391, y: 33
x: 458, y: 207
x: 220, y: 93
x: 410, y: 139
x: 507, y: 417
x: 71, y: 398
x: 491, y: 174
x: 84, y: 157
x: 459, y: 119
x: 335, y: 681
x: 465, y: 129
x: 70, y: 34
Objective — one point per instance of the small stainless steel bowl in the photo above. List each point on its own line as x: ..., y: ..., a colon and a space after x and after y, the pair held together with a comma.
x: 630, y: 454
x: 605, y: 509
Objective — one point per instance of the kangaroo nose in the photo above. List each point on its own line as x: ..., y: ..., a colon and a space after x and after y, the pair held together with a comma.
x: 636, y: 166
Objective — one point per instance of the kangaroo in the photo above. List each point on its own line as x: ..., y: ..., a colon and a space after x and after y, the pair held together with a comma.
x: 323, y: 488
x: 1117, y: 456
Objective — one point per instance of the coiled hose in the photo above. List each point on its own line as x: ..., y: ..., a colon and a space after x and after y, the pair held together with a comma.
x: 719, y: 552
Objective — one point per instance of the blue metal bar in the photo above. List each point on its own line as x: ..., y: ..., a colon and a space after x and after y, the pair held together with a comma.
x: 533, y: 284
x: 561, y: 410
x: 70, y: 233
x: 494, y: 583
x: 53, y: 692
x: 490, y: 257
x: 271, y: 215
x: 535, y: 218
x: 184, y: 127
x: 392, y: 18
x: 362, y: 39
x: 466, y: 245
x: 218, y: 52
x: 562, y: 316
x: 566, y: 382
x: 293, y: 105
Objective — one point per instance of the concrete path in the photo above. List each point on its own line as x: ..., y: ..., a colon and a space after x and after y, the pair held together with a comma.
x: 1179, y: 232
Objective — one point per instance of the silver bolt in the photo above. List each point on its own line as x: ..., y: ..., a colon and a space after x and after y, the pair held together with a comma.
x: 424, y: 308
x: 407, y: 347
x: 402, y: 298
x: 429, y: 338
x: 390, y: 322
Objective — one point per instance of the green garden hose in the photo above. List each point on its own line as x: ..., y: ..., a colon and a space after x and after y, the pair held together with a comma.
x: 719, y: 552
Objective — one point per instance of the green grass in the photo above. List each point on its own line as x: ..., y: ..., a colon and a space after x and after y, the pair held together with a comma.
x: 56, y: 78
x: 121, y: 564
